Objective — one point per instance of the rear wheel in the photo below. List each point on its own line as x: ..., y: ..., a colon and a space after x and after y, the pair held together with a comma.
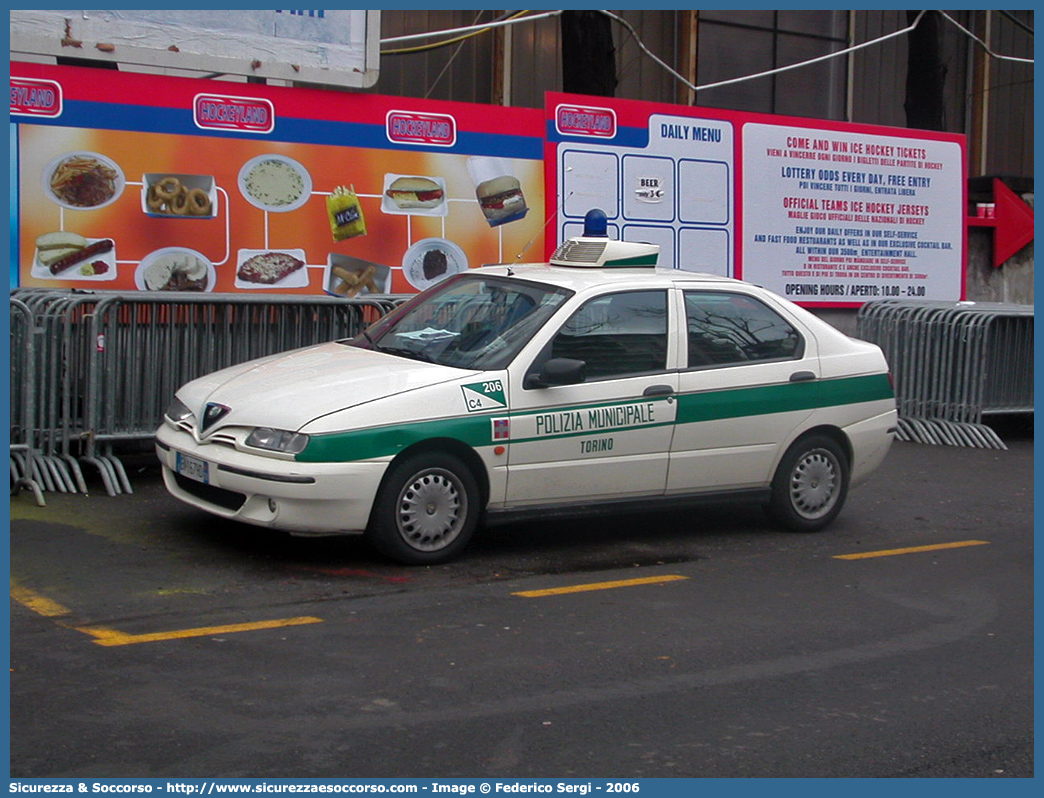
x: 810, y: 485
x: 426, y: 510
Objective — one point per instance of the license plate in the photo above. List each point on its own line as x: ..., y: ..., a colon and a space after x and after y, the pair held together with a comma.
x: 193, y: 468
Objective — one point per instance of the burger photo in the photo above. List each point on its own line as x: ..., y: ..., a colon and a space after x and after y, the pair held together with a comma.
x: 415, y: 193
x: 501, y: 200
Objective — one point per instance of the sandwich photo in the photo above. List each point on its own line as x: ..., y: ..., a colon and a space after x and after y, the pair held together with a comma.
x: 501, y: 200
x: 411, y: 192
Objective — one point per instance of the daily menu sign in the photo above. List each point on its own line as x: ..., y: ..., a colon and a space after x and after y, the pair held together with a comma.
x: 140, y: 182
x: 822, y: 213
x: 662, y: 175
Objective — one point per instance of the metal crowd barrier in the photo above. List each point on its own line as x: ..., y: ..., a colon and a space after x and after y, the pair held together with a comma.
x: 25, y: 467
x: 953, y: 364
x: 98, y: 372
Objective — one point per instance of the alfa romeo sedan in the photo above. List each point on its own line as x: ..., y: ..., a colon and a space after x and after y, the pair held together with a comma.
x: 595, y: 381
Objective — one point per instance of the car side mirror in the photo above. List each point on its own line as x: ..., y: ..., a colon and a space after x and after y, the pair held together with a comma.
x: 558, y: 371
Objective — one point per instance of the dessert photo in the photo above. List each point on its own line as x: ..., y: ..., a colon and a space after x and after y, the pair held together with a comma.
x: 432, y: 260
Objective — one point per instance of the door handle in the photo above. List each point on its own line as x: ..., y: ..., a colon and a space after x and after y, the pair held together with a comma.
x: 658, y: 390
x: 802, y: 376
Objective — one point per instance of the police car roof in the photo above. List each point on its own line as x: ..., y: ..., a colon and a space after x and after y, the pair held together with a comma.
x: 578, y: 279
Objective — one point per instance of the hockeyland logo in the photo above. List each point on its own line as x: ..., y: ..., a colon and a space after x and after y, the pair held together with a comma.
x: 409, y: 127
x: 220, y: 112
x: 576, y: 120
x: 213, y: 413
x: 31, y: 97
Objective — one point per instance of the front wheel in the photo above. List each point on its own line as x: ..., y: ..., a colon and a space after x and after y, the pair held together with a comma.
x: 426, y: 510
x: 810, y: 485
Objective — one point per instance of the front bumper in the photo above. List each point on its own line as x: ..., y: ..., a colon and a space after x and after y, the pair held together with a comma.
x: 300, y: 498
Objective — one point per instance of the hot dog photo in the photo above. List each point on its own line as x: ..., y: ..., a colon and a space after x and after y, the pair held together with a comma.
x: 414, y: 194
x: 67, y: 255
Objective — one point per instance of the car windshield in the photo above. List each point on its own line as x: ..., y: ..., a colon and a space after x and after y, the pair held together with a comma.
x: 467, y: 321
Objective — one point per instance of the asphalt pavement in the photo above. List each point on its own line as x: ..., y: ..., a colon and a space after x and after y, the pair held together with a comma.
x: 150, y: 640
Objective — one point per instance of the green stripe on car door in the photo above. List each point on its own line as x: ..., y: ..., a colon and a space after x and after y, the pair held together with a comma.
x: 787, y: 397
x: 476, y: 430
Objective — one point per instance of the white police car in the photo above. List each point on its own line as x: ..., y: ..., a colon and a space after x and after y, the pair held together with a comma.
x: 597, y: 380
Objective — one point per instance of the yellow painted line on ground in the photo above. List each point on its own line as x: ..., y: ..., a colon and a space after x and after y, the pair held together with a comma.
x: 911, y: 550
x: 111, y: 637
x: 37, y: 603
x: 104, y: 636
x: 558, y: 591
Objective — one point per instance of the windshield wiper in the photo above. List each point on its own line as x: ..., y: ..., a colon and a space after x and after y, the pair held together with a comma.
x: 411, y: 354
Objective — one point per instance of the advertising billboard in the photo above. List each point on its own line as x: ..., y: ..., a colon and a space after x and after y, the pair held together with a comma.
x: 144, y: 182
x: 141, y: 182
x: 823, y: 213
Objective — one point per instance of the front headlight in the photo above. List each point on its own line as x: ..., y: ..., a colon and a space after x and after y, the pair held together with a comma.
x: 177, y: 411
x: 277, y: 440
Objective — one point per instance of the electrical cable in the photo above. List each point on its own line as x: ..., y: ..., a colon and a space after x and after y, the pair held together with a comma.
x: 450, y: 60
x: 1016, y: 21
x: 524, y: 16
x: 514, y: 19
x: 768, y: 72
x: 983, y: 44
x: 422, y: 48
x: 839, y: 53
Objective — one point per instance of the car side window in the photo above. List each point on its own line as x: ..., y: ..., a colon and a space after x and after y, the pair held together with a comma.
x: 727, y: 329
x: 617, y: 335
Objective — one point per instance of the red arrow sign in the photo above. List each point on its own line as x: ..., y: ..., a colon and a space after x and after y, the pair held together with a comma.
x: 1012, y: 223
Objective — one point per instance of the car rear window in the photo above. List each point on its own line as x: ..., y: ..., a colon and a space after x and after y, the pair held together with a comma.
x: 728, y: 329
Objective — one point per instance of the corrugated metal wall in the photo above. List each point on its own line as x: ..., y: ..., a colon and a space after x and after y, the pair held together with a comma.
x: 734, y: 44
x: 462, y: 70
x: 1010, y: 101
x: 517, y: 66
x: 879, y: 72
x: 536, y: 62
x: 640, y: 77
